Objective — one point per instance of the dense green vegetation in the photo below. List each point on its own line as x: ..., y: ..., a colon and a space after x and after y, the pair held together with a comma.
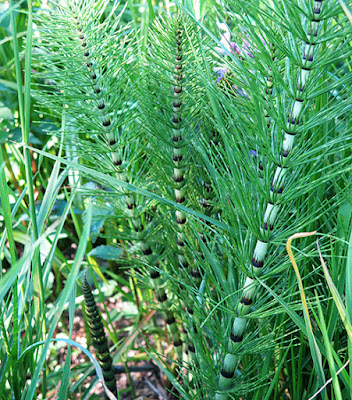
x: 191, y: 161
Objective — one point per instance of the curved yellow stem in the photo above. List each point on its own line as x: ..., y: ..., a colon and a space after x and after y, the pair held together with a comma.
x: 294, y: 264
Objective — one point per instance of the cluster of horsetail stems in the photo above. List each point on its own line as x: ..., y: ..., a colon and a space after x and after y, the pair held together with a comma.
x: 121, y: 173
x: 175, y: 109
x: 232, y: 359
x: 100, y: 343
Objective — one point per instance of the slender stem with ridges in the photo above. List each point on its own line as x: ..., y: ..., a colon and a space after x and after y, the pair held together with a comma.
x: 269, y: 81
x: 177, y: 156
x: 99, y: 340
x: 180, y: 181
x: 178, y: 161
x: 251, y: 286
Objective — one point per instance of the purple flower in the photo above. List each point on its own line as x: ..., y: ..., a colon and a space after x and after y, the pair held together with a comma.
x: 252, y: 153
x: 248, y: 49
x: 221, y: 71
x: 235, y: 47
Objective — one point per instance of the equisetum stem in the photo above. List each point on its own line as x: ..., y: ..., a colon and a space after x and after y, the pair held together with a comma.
x: 107, y: 125
x: 269, y: 90
x: 100, y: 342
x: 180, y: 181
x: 250, y: 286
x: 177, y: 156
x: 269, y: 82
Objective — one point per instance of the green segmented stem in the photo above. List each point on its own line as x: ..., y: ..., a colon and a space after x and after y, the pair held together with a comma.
x: 177, y: 153
x: 177, y: 156
x: 100, y: 343
x: 179, y: 174
x: 107, y: 125
x: 269, y: 83
x: 250, y: 286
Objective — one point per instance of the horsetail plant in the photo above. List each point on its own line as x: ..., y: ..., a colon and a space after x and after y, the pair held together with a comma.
x: 277, y: 148
x: 179, y: 160
x: 100, y: 343
x: 169, y: 122
x: 179, y: 178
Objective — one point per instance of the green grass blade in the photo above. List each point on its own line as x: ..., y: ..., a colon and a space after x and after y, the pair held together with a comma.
x: 70, y: 283
x: 5, y: 202
x: 11, y: 275
x: 315, y: 351
x: 336, y: 296
x: 328, y: 346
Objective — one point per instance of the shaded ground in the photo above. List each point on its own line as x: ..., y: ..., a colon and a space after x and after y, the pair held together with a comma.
x: 145, y: 384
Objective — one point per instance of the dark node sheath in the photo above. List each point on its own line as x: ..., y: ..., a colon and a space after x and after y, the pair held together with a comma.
x: 227, y: 374
x: 235, y: 338
x: 246, y: 302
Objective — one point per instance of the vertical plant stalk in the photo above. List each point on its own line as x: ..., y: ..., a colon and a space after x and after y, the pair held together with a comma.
x: 177, y: 154
x: 100, y: 343
x: 180, y: 179
x: 250, y: 286
x: 167, y: 313
x: 108, y: 126
x: 269, y: 83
